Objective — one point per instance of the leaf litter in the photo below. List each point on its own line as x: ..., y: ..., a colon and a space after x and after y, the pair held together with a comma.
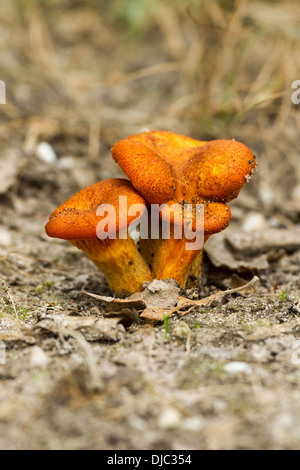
x: 161, y: 299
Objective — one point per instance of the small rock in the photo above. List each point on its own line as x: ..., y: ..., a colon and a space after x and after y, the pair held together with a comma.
x: 5, y: 238
x: 169, y: 418
x: 254, y: 221
x: 46, y: 153
x: 237, y: 367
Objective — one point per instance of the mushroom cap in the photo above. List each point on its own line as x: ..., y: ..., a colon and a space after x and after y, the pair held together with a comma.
x: 76, y: 218
x: 177, y: 168
x: 216, y: 217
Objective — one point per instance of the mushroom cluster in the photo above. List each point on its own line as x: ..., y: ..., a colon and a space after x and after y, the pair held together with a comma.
x: 179, y: 183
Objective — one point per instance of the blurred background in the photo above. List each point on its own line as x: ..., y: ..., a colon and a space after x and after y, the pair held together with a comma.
x: 81, y: 75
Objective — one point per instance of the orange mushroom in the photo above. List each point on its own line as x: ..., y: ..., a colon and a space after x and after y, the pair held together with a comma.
x: 96, y: 211
x: 167, y: 168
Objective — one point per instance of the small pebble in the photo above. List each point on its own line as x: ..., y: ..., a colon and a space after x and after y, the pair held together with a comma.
x: 46, y: 153
x: 5, y: 238
x: 169, y: 418
x: 254, y: 221
x: 236, y: 367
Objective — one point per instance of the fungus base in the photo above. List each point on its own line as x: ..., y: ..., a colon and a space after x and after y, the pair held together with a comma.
x: 119, y: 260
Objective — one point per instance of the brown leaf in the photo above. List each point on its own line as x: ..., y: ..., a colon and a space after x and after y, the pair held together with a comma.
x: 155, y: 300
x: 156, y: 314
x: 116, y: 305
x: 159, y: 300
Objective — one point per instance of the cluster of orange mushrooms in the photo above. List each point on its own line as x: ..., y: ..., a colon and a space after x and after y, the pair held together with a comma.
x: 163, y: 168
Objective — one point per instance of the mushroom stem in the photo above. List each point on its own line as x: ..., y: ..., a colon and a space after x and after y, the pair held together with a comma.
x: 194, y: 273
x: 169, y: 258
x: 119, y: 260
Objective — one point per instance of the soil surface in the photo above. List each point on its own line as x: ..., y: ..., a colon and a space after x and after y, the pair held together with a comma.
x: 223, y: 376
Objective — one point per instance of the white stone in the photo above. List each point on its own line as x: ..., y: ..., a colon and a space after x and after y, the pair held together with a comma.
x: 169, y: 418
x: 46, y: 153
x: 254, y: 221
x: 5, y: 237
x: 237, y: 367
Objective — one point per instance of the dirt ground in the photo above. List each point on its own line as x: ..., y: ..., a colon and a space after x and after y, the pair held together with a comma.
x: 80, y: 76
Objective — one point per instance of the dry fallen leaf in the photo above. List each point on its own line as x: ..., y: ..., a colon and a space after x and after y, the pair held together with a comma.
x: 183, y: 302
x: 116, y: 305
x: 155, y: 304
